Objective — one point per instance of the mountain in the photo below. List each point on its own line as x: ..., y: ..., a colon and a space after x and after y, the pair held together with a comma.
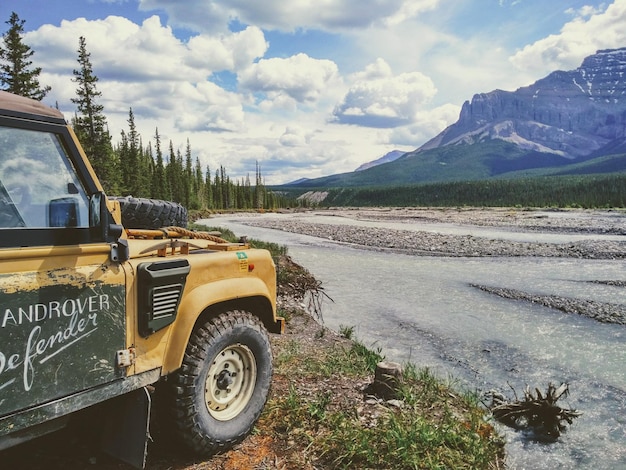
x: 571, y: 122
x: 449, y: 163
x: 388, y: 157
x: 298, y: 181
x: 572, y: 114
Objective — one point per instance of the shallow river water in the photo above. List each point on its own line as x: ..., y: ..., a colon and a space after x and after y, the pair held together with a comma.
x: 424, y: 310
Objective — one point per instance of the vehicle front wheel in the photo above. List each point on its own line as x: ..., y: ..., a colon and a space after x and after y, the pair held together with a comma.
x: 222, y: 386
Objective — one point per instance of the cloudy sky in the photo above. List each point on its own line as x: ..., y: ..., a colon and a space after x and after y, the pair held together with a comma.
x: 307, y: 88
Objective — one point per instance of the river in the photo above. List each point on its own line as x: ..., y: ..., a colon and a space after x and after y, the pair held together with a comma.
x: 424, y: 310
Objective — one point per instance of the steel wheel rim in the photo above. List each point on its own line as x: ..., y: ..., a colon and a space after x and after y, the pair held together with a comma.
x: 230, y: 382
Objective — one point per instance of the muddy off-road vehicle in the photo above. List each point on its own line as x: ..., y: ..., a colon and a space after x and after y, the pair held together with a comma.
x: 94, y: 311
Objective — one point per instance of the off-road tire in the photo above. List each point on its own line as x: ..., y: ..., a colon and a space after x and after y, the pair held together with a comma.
x: 143, y: 213
x: 210, y: 416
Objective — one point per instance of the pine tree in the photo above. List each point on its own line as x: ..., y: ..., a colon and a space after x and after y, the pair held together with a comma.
x: 249, y: 196
x: 218, y: 192
x: 259, y: 191
x: 131, y: 170
x: 208, y: 188
x: 122, y: 151
x: 174, y: 174
x: 180, y: 178
x: 188, y: 180
x: 198, y: 187
x: 146, y: 168
x: 90, y: 123
x: 225, y: 187
x: 159, y: 188
x: 15, y: 75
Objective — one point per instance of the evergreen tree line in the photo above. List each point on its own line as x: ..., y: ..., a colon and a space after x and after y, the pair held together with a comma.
x: 130, y: 167
x: 146, y: 171
x: 588, y: 191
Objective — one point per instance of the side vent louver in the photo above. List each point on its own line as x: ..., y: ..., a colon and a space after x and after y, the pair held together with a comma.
x: 161, y: 286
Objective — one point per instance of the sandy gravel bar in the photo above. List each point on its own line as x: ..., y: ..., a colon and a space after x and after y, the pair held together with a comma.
x: 599, y: 311
x: 527, y: 220
x: 438, y: 244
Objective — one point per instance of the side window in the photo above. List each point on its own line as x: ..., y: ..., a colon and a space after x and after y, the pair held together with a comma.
x: 38, y: 185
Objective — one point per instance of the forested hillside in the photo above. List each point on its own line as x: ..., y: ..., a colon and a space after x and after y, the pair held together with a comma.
x: 585, y: 191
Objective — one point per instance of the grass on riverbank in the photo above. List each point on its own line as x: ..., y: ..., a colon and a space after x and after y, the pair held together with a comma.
x: 274, y: 248
x: 320, y: 415
x: 430, y: 426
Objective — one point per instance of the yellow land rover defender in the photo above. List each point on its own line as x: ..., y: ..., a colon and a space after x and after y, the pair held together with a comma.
x: 92, y: 311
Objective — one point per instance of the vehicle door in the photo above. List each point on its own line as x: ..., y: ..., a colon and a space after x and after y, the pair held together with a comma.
x: 62, y: 299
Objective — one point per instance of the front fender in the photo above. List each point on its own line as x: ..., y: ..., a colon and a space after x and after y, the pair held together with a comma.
x: 199, y: 300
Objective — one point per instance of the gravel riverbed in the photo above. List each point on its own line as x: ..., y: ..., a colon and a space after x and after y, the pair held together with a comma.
x: 430, y: 243
x: 440, y: 244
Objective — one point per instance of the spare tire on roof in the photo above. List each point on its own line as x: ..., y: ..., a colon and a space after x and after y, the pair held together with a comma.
x: 138, y: 212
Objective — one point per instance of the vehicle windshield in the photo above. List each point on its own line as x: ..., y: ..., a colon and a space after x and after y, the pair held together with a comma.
x: 38, y: 185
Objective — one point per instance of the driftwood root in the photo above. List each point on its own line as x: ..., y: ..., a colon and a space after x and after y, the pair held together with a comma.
x: 537, y: 413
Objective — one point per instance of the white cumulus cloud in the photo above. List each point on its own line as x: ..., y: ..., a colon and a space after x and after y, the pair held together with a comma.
x: 427, y: 125
x: 294, y: 137
x: 210, y: 108
x: 589, y: 31
x: 127, y: 51
x: 146, y: 67
x: 328, y: 15
x: 231, y: 52
x: 300, y: 77
x: 379, y: 99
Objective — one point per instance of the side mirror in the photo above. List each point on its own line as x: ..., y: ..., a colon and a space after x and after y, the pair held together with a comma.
x: 100, y: 221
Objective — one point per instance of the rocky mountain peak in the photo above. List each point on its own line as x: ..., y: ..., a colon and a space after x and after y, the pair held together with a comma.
x: 569, y: 113
x: 388, y: 157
